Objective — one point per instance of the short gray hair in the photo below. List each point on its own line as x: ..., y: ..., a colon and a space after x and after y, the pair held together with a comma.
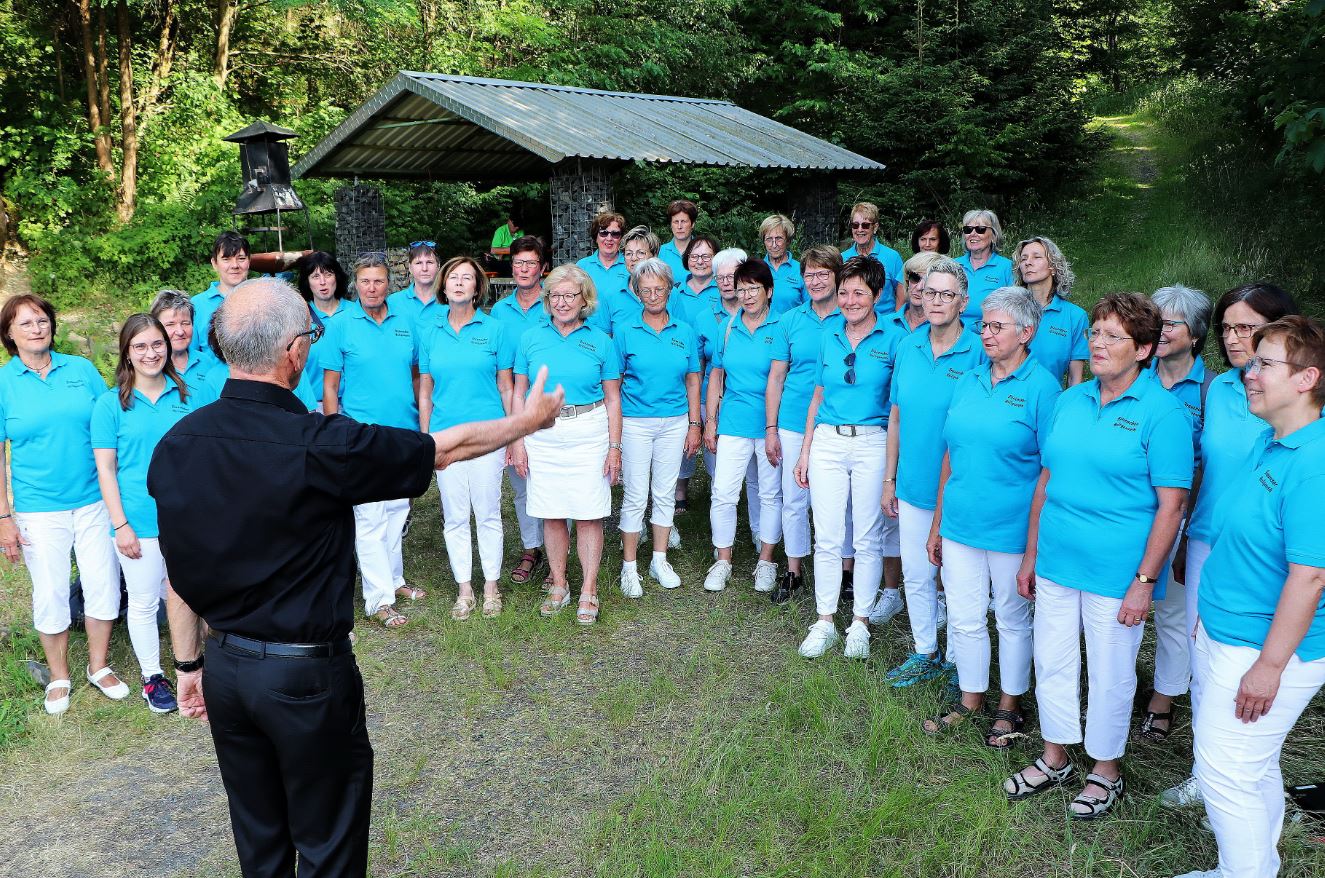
x: 171, y: 300
x: 1018, y: 303
x: 1064, y: 278
x: 732, y: 256
x: 371, y: 260
x: 651, y: 267
x: 642, y: 233
x: 1192, y: 307
x: 948, y: 265
x: 983, y: 216
x: 256, y: 322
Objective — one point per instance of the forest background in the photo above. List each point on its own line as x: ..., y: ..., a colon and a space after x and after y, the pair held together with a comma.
x: 113, y: 177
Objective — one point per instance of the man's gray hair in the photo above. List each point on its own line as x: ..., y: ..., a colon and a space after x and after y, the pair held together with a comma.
x: 732, y: 256
x: 651, y: 267
x: 1191, y: 307
x: 257, y: 321
x: 171, y: 300
x: 948, y: 265
x: 1018, y: 303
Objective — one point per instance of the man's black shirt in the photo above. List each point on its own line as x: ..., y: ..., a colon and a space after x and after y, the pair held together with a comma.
x: 254, y: 498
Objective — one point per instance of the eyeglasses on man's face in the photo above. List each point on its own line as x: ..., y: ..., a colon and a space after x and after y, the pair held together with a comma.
x: 314, y: 332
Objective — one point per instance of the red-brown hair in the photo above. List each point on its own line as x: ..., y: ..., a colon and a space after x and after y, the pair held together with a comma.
x: 1140, y: 317
x: 10, y: 312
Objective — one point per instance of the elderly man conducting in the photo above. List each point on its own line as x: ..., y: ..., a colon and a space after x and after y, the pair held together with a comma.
x: 255, y: 497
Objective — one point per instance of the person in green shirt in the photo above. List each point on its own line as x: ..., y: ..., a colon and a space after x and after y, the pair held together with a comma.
x: 499, y: 254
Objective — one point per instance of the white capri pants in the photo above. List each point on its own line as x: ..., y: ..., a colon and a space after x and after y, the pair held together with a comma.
x: 847, y: 470
x: 566, y: 462
x: 650, y: 462
x: 969, y: 575
x: 1237, y: 764
x: 1061, y: 615
x: 473, y: 485
x: 379, y: 530
x: 918, y: 576
x: 531, y: 528
x: 50, y: 536
x: 145, y: 580
x: 735, y: 456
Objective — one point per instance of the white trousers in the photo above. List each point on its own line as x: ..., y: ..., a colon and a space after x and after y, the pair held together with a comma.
x: 918, y: 575
x: 1237, y: 764
x: 969, y: 576
x: 1061, y: 615
x: 1173, y: 638
x: 473, y: 485
x: 531, y: 529
x: 145, y: 581
x: 379, y: 529
x: 847, y: 471
x: 1197, y: 553
x: 47, y: 540
x: 796, y: 503
x: 650, y: 462
x: 735, y: 456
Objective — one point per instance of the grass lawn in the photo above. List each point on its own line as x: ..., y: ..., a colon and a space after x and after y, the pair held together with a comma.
x: 682, y: 736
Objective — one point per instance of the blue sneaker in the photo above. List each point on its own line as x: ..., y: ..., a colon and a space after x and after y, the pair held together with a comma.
x: 918, y: 668
x: 159, y: 695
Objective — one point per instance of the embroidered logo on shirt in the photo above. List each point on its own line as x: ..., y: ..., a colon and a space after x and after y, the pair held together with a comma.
x: 478, y: 340
x: 677, y: 343
x: 1268, y: 481
x: 588, y: 346
x: 1126, y: 424
x: 1058, y: 331
x: 1014, y: 401
x: 954, y: 374
x: 880, y: 355
x: 402, y: 333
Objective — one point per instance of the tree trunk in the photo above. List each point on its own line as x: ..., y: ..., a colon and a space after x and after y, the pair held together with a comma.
x: 94, y: 120
x: 59, y: 58
x: 226, y: 13
x: 164, y: 61
x: 127, y: 197
x: 103, y: 81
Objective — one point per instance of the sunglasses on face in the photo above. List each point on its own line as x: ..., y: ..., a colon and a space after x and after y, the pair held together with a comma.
x: 608, y: 233
x: 913, y: 278
x: 974, y: 230
x: 859, y: 225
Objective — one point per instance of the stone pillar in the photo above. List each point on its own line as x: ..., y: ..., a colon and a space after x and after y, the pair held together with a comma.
x: 815, y: 212
x: 360, y: 223
x: 578, y: 190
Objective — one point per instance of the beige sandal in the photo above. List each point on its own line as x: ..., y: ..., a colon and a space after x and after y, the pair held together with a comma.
x: 411, y: 593
x: 552, y: 604
x: 589, y: 616
x: 463, y: 608
x: 389, y: 616
x: 492, y: 606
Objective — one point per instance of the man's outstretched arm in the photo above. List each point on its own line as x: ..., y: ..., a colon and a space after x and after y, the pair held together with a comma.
x: 466, y: 441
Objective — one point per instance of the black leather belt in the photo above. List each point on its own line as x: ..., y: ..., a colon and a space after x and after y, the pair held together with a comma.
x: 262, y: 649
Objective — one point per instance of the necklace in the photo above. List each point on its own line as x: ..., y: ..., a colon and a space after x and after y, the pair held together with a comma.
x: 38, y: 369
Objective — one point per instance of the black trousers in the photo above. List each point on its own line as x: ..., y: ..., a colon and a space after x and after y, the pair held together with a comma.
x: 293, y: 747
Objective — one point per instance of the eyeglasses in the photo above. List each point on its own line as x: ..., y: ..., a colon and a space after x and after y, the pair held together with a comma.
x: 1241, y: 330
x: 856, y: 225
x: 701, y: 257
x: 143, y: 347
x: 944, y: 296
x: 563, y: 297
x: 41, y: 324
x: 632, y: 253
x: 1108, y: 338
x: 724, y: 278
x: 1171, y: 325
x: 1259, y: 364
x: 974, y: 230
x: 525, y: 263
x: 850, y: 362
x: 751, y: 291
x: 653, y: 292
x: 314, y: 332
x: 432, y: 244
x: 775, y: 239
x: 818, y: 276
x: 994, y: 326
x: 609, y: 233
x: 913, y: 278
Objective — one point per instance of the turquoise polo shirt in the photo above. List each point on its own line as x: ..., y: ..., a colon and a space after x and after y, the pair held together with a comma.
x: 1229, y: 433
x: 691, y: 307
x: 672, y: 256
x: 464, y: 367
x: 788, y: 285
x: 1277, y: 499
x: 891, y: 261
x: 994, y: 434
x: 376, y: 366
x: 922, y: 388
x: 611, y: 279
x: 710, y: 328
x: 745, y: 358
x: 314, y: 368
x: 1105, y: 463
x: 798, y: 343
x: 1061, y: 337
x: 133, y: 434
x: 204, y: 306
x: 580, y: 362
x: 418, y: 313
x: 654, y: 366
x: 982, y: 281
x: 896, y: 319
x: 862, y: 402
x: 204, y: 372
x: 47, y: 424
x: 616, y: 310
x: 1188, y: 392
x: 518, y: 320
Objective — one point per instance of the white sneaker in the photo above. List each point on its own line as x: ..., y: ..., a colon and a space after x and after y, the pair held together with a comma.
x: 661, y: 570
x: 941, y: 617
x: 822, y: 636
x: 886, y: 605
x: 719, y: 573
x: 766, y: 576
x: 1185, y: 795
x: 674, y: 538
x: 1213, y: 873
x: 858, y: 641
x: 631, y: 586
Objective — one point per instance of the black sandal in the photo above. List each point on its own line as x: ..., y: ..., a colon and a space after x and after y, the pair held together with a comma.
x: 945, y: 722
x: 1149, y: 732
x: 999, y: 740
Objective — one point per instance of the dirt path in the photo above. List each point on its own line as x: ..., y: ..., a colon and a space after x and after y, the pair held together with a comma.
x: 1135, y: 147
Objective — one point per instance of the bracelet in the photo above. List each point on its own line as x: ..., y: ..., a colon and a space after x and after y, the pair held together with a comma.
x: 126, y: 524
x: 770, y: 427
x: 886, y: 481
x: 189, y: 667
x: 614, y: 446
x: 6, y: 515
x: 696, y: 424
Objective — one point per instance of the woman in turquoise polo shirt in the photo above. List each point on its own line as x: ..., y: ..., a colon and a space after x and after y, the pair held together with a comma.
x: 46, y: 402
x: 1260, y: 647
x: 927, y: 367
x: 864, y: 227
x: 911, y: 316
x: 230, y: 262
x: 736, y: 427
x: 1060, y: 342
x: 1229, y: 432
x: 681, y: 217
x: 986, y: 270
x: 419, y: 302
x: 1117, y: 466
x: 660, y: 375
x: 997, y: 421
x: 324, y: 286
x: 776, y: 232
x: 624, y: 308
x: 465, y: 362
x: 842, y: 458
x: 149, y: 398
x: 572, y: 465
x: 606, y: 266
x: 194, y: 365
x: 695, y: 292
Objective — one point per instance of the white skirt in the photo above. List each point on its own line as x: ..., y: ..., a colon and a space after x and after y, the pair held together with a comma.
x: 566, y: 462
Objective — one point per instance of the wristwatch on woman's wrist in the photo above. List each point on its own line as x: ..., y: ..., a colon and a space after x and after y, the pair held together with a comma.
x: 614, y: 446
x: 1145, y: 580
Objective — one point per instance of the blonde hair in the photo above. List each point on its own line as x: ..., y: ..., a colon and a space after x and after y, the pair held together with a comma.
x: 867, y: 209
x: 576, y: 275
x: 920, y: 263
x: 777, y: 221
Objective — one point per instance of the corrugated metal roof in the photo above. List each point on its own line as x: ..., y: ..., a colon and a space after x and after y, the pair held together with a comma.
x: 429, y: 126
